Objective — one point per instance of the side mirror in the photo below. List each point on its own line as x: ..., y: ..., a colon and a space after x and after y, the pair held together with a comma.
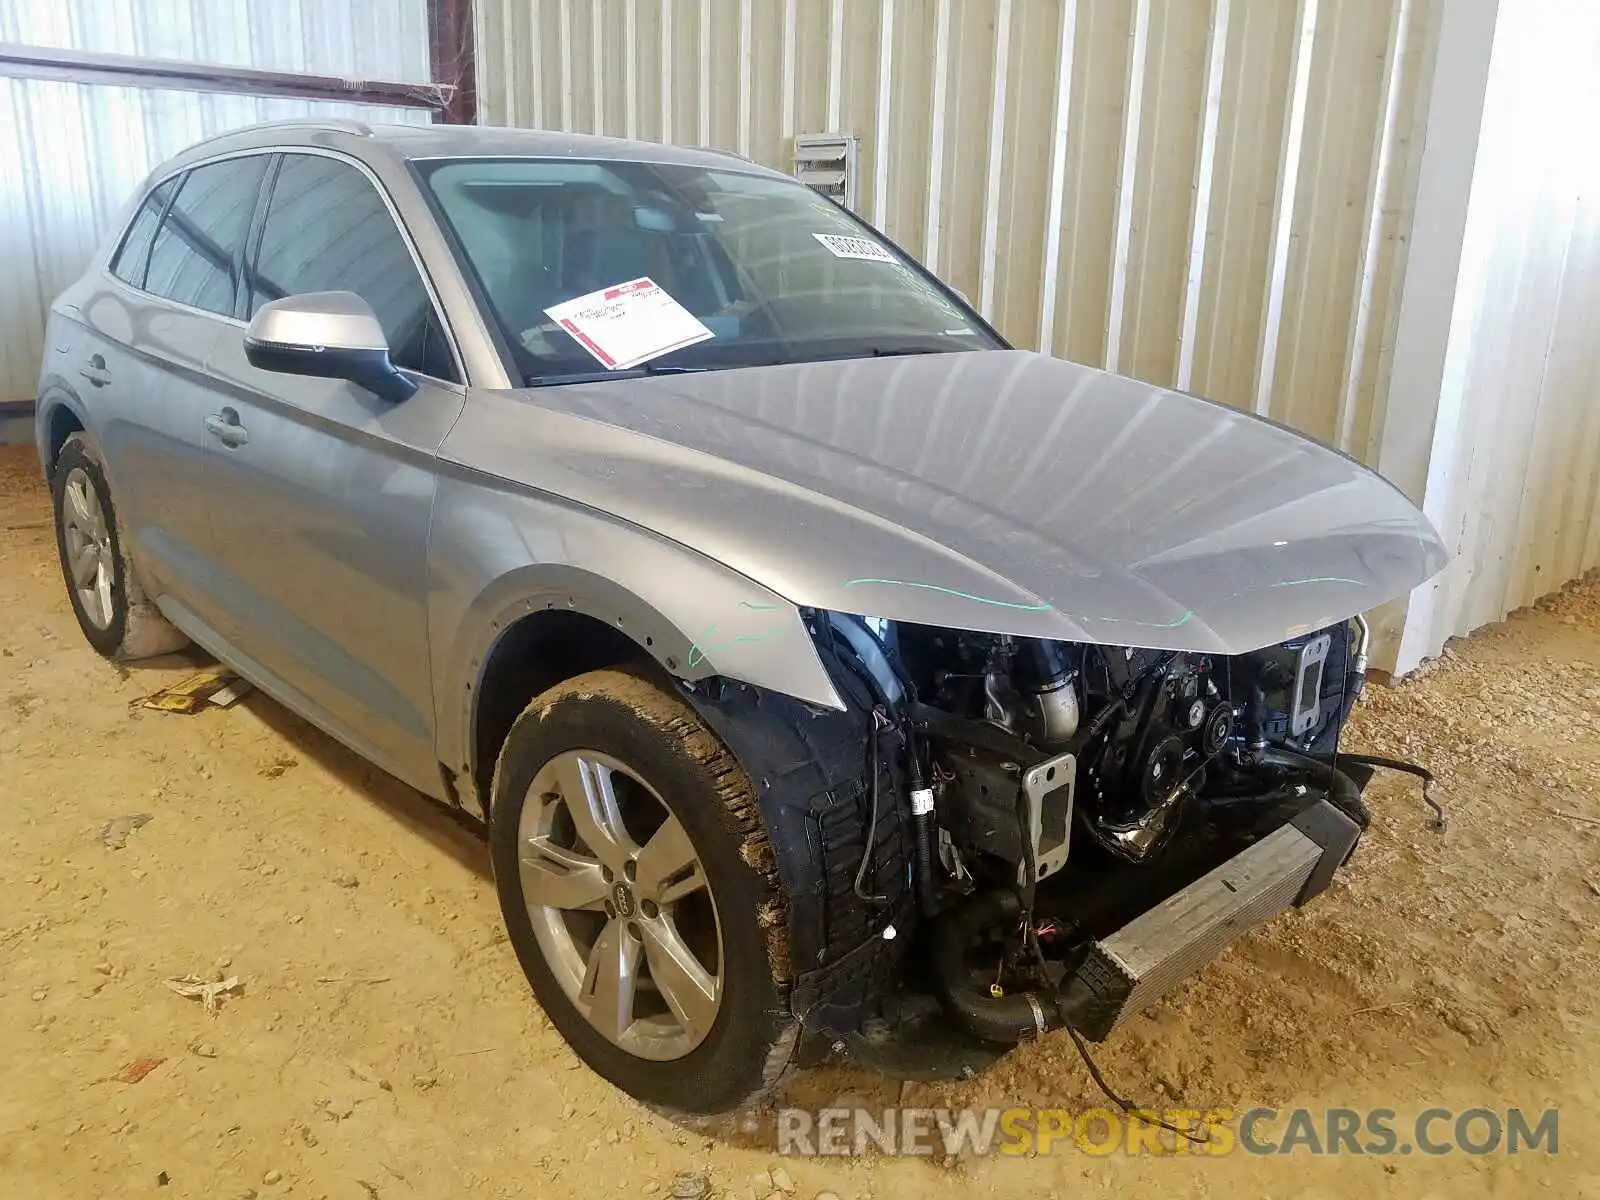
x: 329, y: 335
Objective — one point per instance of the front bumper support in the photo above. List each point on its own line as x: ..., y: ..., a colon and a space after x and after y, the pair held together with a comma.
x: 1135, y: 966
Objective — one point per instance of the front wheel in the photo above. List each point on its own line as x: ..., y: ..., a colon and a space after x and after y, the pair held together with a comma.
x: 639, y: 894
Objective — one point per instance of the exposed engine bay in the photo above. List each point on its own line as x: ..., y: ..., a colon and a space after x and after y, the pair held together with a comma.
x: 1148, y: 731
x: 1088, y: 824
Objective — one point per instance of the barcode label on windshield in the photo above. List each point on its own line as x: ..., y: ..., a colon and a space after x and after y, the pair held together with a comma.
x: 854, y: 247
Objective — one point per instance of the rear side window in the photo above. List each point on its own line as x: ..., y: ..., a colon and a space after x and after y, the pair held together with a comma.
x: 194, y: 259
x: 328, y: 229
x: 134, y: 253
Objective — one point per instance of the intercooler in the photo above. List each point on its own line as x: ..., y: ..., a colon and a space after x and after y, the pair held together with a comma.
x: 1134, y: 967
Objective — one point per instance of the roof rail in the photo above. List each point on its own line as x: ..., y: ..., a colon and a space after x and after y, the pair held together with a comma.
x: 338, y: 124
x: 330, y: 124
x: 725, y: 152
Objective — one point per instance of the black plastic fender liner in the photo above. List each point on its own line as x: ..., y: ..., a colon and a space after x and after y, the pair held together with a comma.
x: 1010, y: 1018
x: 810, y: 769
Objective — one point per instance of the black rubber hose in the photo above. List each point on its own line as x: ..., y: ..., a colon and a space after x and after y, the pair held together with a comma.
x: 1410, y: 768
x: 1342, y: 791
x: 927, y: 894
x: 1010, y: 1018
x: 923, y: 824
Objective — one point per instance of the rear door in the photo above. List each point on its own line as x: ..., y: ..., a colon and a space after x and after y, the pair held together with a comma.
x: 325, y: 491
x: 149, y: 335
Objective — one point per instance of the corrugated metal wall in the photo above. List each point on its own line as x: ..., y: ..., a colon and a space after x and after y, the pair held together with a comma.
x: 1514, y: 483
x: 359, y: 39
x: 1212, y: 194
x: 1202, y: 192
x: 74, y: 152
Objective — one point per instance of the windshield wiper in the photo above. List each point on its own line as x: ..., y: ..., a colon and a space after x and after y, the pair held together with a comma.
x: 647, y: 369
x: 603, y: 376
x: 885, y: 352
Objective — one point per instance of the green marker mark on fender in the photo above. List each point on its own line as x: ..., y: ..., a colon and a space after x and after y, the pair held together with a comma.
x: 700, y: 648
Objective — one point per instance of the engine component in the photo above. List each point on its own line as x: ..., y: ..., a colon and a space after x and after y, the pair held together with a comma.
x: 1218, y: 729
x: 1050, y: 688
x: 1148, y: 761
x: 1343, y: 794
x: 1299, y: 692
x: 1162, y: 771
x: 1308, y: 685
x: 1137, y: 836
x: 1014, y: 815
x: 1011, y: 747
x: 1190, y: 713
x: 983, y: 1013
x: 950, y: 859
x: 983, y: 812
x: 1030, y: 691
x: 1054, y: 712
x: 1048, y: 788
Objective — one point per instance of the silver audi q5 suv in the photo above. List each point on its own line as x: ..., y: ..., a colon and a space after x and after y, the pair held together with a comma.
x: 827, y: 676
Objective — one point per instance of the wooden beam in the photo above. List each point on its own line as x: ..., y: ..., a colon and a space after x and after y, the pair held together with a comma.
x: 450, y: 49
x: 126, y: 70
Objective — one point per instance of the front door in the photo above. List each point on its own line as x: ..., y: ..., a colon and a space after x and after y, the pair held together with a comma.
x: 324, y: 491
x: 143, y: 361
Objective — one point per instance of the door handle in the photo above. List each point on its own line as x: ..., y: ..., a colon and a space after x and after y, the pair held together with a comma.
x: 96, y: 372
x: 225, y: 427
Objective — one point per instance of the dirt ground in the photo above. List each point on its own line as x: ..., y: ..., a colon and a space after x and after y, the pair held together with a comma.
x: 384, y: 1044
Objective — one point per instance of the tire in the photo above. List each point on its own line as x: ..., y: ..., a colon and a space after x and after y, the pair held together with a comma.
x: 656, y: 752
x: 111, y: 607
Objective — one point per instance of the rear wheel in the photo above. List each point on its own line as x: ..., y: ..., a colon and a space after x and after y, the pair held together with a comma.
x: 637, y: 889
x: 111, y: 608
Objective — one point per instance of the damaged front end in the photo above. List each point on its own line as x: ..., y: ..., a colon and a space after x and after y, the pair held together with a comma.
x: 1043, y: 670
x: 1003, y: 835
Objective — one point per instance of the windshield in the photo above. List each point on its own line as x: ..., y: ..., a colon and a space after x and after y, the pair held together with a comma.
x: 747, y: 270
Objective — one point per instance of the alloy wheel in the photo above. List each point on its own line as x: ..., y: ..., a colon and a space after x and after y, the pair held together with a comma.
x: 86, y: 533
x: 620, y: 904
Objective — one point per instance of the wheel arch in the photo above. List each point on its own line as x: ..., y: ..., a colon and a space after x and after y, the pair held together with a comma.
x: 530, y: 655
x: 541, y: 624
x: 57, y: 418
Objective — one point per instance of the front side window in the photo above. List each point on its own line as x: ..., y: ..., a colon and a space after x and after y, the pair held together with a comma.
x: 771, y: 269
x: 194, y: 258
x: 328, y: 230
x: 134, y: 253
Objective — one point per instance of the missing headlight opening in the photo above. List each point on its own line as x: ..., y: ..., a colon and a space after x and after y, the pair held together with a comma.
x: 1075, y: 827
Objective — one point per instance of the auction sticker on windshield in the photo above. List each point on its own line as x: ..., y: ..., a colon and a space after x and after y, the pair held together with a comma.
x: 854, y: 247
x: 628, y: 323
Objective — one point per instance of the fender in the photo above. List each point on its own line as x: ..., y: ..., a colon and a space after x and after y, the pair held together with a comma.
x: 498, y: 552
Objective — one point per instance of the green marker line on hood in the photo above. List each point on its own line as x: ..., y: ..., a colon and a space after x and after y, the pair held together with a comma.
x: 934, y: 587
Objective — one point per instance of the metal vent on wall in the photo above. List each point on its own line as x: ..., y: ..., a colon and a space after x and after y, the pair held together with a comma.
x: 828, y: 163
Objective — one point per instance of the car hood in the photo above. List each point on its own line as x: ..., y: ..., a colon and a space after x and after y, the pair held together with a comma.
x: 999, y: 491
